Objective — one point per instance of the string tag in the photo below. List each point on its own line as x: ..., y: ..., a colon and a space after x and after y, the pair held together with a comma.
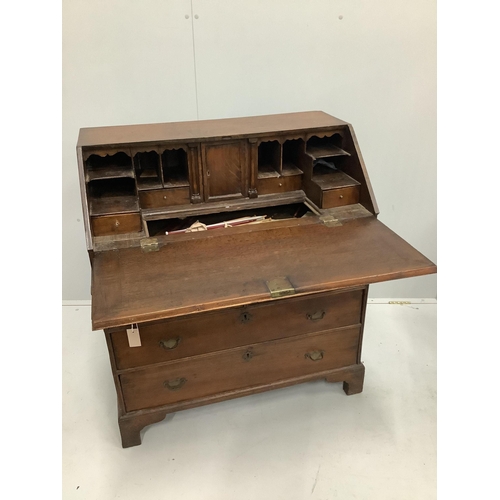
x: 134, y: 339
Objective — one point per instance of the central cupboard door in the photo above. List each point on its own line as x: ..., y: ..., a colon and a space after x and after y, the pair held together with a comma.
x: 224, y: 170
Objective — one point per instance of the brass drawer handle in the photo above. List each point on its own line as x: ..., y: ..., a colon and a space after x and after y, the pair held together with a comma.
x: 314, y: 355
x: 315, y: 316
x: 175, y: 384
x: 170, y: 343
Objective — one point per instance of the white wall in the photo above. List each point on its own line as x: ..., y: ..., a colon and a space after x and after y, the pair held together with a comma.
x: 123, y: 62
x: 133, y: 62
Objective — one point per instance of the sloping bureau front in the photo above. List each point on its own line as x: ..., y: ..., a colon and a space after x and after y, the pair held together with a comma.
x: 231, y: 257
x: 210, y: 272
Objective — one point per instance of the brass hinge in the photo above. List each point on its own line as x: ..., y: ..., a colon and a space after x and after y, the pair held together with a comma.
x: 330, y: 221
x: 150, y: 245
x: 279, y: 287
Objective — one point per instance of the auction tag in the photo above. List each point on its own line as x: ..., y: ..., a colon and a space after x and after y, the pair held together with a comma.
x: 134, y: 339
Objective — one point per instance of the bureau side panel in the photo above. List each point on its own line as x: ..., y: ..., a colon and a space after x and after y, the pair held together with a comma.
x: 116, y: 379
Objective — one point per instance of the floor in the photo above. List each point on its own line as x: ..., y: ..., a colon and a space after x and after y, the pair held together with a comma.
x: 308, y: 441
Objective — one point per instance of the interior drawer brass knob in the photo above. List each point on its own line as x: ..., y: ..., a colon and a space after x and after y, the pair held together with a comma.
x: 170, y: 343
x: 314, y: 355
x: 174, y: 384
x: 316, y: 315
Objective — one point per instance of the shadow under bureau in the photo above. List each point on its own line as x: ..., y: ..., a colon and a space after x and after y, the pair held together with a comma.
x: 231, y: 257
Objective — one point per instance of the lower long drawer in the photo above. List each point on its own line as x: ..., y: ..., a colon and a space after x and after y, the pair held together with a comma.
x: 239, y: 368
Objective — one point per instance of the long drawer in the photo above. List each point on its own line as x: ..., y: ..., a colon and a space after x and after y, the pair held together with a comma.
x: 210, y: 332
x: 239, y: 368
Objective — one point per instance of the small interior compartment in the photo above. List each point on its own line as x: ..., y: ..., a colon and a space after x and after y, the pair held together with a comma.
x: 147, y: 170
x: 112, y: 187
x: 110, y: 196
x: 328, y: 158
x: 292, y: 150
x: 328, y: 161
x: 109, y: 166
x: 267, y: 215
x: 328, y: 173
x: 326, y: 166
x: 289, y: 176
x: 334, y: 179
x: 323, y: 147
x: 269, y: 159
x: 175, y: 168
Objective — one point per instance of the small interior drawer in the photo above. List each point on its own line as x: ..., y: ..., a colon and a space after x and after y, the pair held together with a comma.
x: 156, y: 198
x: 279, y: 184
x: 240, y: 368
x: 116, y: 224
x: 209, y: 332
x: 340, y: 197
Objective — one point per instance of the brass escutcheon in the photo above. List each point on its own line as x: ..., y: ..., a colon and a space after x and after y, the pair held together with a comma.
x: 170, y: 343
x: 314, y: 355
x: 316, y: 315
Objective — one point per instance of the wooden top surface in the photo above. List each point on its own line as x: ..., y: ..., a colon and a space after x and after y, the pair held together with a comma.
x: 205, y: 129
x: 228, y: 269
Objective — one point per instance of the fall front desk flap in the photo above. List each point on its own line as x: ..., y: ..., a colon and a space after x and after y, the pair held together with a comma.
x: 234, y: 266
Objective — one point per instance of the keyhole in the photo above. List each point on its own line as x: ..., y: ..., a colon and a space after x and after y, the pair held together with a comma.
x: 245, y: 317
x: 248, y: 355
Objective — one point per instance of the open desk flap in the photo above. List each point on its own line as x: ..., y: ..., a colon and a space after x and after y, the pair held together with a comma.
x: 226, y: 269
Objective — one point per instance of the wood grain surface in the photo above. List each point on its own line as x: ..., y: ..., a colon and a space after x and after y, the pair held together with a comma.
x: 227, y: 269
x: 222, y: 168
x: 239, y: 368
x: 205, y: 129
x: 214, y: 331
x: 116, y: 224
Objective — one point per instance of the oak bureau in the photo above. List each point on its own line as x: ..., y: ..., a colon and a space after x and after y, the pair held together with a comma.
x: 231, y: 257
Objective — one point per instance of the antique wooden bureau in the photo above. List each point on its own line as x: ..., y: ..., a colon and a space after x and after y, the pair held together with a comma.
x: 231, y: 257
